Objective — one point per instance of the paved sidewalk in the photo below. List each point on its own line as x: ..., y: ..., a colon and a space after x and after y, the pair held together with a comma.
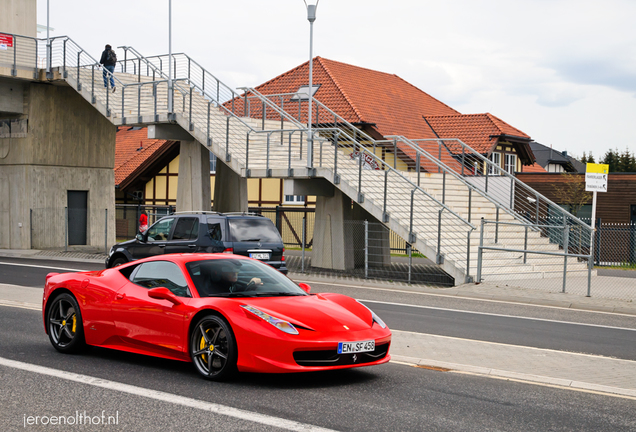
x: 581, y: 371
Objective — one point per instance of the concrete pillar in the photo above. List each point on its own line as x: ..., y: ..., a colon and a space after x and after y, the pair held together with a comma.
x: 379, y: 239
x: 230, y: 190
x: 333, y: 246
x: 193, y: 190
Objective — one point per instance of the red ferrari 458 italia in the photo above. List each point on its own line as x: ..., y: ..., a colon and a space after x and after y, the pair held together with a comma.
x: 225, y: 313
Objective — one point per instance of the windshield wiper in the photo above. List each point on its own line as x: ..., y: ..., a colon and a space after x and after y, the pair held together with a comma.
x: 253, y: 239
x: 233, y: 294
x: 278, y: 294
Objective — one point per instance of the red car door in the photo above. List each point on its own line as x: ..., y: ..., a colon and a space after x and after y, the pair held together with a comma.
x: 149, y: 324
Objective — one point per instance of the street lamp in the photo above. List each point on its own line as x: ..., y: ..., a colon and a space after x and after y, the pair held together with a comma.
x: 170, y: 95
x: 311, y: 5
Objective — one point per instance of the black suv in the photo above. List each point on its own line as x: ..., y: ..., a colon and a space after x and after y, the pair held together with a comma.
x: 245, y: 234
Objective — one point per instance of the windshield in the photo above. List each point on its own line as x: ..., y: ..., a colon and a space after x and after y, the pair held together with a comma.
x: 240, y: 278
x: 254, y: 230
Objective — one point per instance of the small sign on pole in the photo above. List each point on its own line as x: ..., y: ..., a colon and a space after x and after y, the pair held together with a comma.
x: 595, y: 181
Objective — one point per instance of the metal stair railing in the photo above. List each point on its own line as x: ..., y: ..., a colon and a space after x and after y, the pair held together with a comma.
x: 408, y: 204
x: 456, y: 158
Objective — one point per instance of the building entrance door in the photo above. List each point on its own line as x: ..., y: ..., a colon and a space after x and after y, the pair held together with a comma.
x: 77, y: 217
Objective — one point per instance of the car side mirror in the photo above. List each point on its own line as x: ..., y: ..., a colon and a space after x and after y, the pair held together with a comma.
x: 305, y: 287
x: 163, y: 293
x: 141, y: 238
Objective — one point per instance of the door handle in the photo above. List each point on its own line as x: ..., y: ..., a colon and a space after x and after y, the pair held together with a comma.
x: 192, y: 246
x: 120, y: 296
x: 161, y: 245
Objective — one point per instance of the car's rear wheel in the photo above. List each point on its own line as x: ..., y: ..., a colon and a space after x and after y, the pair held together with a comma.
x: 213, y: 348
x: 119, y: 261
x: 66, y: 331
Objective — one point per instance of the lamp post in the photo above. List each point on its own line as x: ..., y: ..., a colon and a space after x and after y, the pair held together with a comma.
x: 311, y: 5
x: 170, y: 93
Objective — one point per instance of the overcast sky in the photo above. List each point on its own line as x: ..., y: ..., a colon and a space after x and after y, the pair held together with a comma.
x: 562, y: 71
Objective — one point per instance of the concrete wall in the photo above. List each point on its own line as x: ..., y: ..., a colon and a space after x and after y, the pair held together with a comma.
x: 68, y: 146
x: 18, y: 17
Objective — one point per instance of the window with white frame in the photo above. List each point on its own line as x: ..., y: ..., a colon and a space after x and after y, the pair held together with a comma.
x: 495, y: 158
x: 294, y: 199
x: 510, y: 163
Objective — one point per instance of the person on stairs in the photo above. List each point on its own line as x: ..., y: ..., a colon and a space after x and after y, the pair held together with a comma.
x: 109, y: 60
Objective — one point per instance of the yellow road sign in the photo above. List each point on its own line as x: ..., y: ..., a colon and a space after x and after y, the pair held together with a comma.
x: 597, y: 168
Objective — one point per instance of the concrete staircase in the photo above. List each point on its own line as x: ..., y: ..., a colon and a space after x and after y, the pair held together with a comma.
x: 436, y: 223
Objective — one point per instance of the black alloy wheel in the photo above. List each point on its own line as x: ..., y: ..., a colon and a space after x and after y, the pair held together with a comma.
x: 213, y: 348
x: 119, y: 261
x: 66, y: 331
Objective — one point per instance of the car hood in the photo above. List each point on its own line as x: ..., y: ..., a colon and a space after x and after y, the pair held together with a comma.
x: 320, y: 312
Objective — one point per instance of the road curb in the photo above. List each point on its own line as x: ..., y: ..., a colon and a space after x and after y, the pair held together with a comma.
x: 497, y: 373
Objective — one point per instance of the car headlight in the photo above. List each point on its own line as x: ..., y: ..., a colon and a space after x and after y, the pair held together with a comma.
x: 376, y: 318
x: 280, y: 324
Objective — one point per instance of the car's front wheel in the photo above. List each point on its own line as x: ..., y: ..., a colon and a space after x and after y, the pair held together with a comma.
x: 213, y: 348
x: 119, y: 261
x: 66, y: 331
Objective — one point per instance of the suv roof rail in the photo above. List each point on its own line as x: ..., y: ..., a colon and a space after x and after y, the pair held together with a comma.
x: 243, y: 214
x: 196, y: 212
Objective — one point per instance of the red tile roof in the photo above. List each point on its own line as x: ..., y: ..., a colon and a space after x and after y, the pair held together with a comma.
x: 534, y: 168
x: 479, y: 131
x: 361, y: 95
x: 133, y: 150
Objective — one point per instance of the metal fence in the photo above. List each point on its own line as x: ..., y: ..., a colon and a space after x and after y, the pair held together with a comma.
x: 367, y: 253
x: 127, y: 218
x: 564, y: 264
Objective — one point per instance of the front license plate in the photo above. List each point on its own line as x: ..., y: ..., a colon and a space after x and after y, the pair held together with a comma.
x: 356, y: 347
x: 260, y: 256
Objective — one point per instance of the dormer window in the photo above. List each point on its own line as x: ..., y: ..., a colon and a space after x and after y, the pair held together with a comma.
x: 303, y: 92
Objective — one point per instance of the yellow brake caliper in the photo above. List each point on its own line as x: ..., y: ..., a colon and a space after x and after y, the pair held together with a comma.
x: 202, y: 345
x: 74, y: 323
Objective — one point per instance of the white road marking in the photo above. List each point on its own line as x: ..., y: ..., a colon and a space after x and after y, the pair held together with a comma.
x: 166, y: 397
x: 21, y: 305
x: 461, y: 297
x: 497, y: 315
x: 44, y: 267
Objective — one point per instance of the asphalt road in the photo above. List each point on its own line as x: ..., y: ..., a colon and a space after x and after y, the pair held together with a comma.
x: 387, y: 397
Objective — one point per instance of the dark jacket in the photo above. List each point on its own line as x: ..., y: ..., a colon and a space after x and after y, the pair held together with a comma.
x: 104, y: 60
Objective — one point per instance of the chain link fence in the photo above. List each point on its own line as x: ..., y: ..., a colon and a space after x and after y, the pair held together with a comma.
x: 519, y: 255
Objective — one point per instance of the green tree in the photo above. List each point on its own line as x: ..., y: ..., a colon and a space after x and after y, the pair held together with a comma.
x: 571, y: 191
x: 590, y: 158
x: 611, y: 158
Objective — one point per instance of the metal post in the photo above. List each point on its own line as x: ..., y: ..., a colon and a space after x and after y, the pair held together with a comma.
x: 30, y: 228
x: 566, y: 238
x: 409, y: 248
x: 227, y: 139
x: 444, y: 187
x: 525, y: 246
x: 311, y: 17
x: 468, y: 279
x: 247, y: 155
x: 48, y: 44
x: 417, y: 167
x: 470, y: 203
x: 360, y: 174
x: 536, y: 199
x: 268, y: 172
x: 386, y: 182
x: 106, y: 231
x: 512, y: 184
x: 65, y: 229
x: 190, y: 122
x: 209, y: 138
x: 366, y: 249
x: 302, y: 265
x: 170, y: 90
x: 411, y: 237
x: 480, y: 251
x: 438, y: 258
x: 463, y: 160
x: 497, y: 226
x: 394, y: 153
x: 439, y: 156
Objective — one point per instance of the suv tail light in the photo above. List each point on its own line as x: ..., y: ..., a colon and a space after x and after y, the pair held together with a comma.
x: 283, y: 257
x: 229, y: 251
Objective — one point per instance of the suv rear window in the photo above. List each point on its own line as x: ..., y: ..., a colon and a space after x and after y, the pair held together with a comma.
x: 263, y: 230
